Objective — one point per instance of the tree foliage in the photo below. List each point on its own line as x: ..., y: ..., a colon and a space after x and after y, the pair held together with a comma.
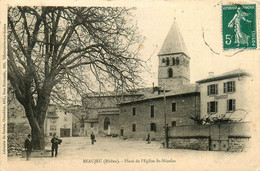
x: 52, y: 49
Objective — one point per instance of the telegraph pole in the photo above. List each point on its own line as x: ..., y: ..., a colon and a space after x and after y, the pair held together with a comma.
x: 165, y: 121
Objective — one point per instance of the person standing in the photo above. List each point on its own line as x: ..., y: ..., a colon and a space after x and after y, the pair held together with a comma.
x: 54, y: 145
x: 148, y: 139
x: 28, y: 146
x: 92, y: 137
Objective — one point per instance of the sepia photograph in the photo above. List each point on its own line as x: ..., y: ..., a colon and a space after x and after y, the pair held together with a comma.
x: 134, y: 85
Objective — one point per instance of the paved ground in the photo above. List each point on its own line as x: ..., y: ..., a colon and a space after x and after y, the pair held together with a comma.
x: 113, y: 153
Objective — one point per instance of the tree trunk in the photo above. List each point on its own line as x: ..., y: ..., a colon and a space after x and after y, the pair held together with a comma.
x: 38, y: 139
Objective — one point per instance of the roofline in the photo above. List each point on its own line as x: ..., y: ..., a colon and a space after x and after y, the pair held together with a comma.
x: 161, y: 97
x: 223, y: 77
x: 173, y: 54
x: 109, y: 113
x: 114, y: 95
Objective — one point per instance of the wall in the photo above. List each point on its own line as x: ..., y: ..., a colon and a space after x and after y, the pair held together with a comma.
x: 89, y: 129
x: 217, y: 137
x: 239, y: 95
x: 187, y: 105
x: 195, y: 143
x: 181, y: 72
x: 114, y: 127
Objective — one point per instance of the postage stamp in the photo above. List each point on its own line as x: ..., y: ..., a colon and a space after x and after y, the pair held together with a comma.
x: 239, y: 26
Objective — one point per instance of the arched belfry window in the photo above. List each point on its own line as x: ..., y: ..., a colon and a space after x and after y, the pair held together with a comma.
x: 163, y: 60
x: 169, y: 72
x: 167, y: 61
x: 106, y: 123
x: 177, y: 61
x: 173, y: 61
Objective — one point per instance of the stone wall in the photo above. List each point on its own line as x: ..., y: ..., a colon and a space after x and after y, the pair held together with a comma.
x: 15, y: 144
x: 238, y: 144
x: 194, y: 143
x: 186, y: 106
x: 113, y: 124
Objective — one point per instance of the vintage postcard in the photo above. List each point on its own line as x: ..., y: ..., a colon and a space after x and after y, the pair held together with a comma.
x: 129, y: 85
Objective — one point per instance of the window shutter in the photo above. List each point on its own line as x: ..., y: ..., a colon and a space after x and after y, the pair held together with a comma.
x: 208, y: 90
x: 227, y: 105
x: 234, y: 104
x: 234, y: 86
x: 216, y: 106
x: 208, y: 107
x: 216, y: 89
x: 225, y: 87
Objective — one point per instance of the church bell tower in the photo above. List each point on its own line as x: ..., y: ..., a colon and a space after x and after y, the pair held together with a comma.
x: 174, y: 61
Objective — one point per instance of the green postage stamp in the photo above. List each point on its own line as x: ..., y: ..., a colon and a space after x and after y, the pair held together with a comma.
x: 239, y: 26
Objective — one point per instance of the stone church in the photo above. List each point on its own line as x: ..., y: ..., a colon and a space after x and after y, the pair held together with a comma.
x: 174, y: 102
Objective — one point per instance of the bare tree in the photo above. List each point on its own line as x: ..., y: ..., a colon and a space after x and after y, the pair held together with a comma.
x: 52, y: 49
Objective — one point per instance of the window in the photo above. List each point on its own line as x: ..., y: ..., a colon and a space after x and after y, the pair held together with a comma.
x: 50, y: 134
x: 153, y: 127
x: 106, y: 123
x: 134, y: 112
x: 169, y: 72
x: 212, y: 107
x: 65, y: 113
x: 52, y: 127
x: 231, y: 105
x: 229, y: 87
x: 152, y: 111
x: 91, y: 125
x: 173, y: 123
x: 167, y: 61
x: 177, y: 61
x: 134, y: 128
x: 173, y: 107
x: 163, y: 60
x: 212, y: 89
x: 173, y: 61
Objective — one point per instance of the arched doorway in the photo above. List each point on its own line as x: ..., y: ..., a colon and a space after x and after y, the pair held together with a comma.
x: 107, y: 125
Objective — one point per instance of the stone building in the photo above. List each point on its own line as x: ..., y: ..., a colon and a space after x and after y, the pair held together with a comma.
x: 225, y: 95
x: 150, y: 115
x: 143, y: 111
x: 102, y: 112
x: 174, y: 61
x: 58, y: 121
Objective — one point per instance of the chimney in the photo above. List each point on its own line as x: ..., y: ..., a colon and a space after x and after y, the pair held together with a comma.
x: 211, y: 74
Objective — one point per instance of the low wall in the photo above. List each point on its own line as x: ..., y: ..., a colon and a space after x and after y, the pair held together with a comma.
x: 217, y: 137
x: 195, y: 143
x: 238, y: 144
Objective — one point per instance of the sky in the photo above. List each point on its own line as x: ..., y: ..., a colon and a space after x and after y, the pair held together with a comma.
x: 193, y: 19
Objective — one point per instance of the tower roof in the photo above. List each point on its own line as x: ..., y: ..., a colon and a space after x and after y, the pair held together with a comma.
x: 174, y: 42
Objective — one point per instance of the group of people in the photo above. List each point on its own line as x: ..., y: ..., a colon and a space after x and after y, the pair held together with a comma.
x: 55, y: 141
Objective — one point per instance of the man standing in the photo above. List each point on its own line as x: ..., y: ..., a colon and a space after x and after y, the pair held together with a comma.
x: 148, y: 139
x: 28, y: 146
x: 54, y: 145
x: 92, y: 136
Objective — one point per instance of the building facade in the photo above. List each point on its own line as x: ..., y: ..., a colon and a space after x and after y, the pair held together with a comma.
x: 225, y: 96
x: 150, y: 115
x: 58, y: 122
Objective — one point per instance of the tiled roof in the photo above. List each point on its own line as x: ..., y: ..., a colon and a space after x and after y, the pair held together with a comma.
x: 185, y: 89
x: 226, y: 75
x: 174, y: 42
